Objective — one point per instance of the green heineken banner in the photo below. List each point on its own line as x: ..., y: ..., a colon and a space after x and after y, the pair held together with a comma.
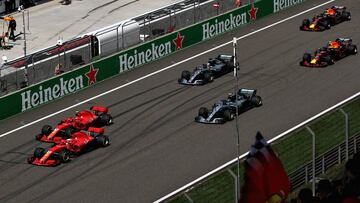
x: 85, y: 76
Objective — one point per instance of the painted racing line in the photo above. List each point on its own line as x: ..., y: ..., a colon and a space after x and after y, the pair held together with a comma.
x: 164, y: 69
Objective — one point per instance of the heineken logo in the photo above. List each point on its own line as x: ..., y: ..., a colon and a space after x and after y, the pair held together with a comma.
x: 220, y: 26
x: 283, y: 4
x: 178, y: 41
x: 252, y: 12
x: 138, y: 57
x: 32, y: 98
x: 91, y: 75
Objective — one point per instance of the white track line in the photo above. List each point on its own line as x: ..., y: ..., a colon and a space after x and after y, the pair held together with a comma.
x: 243, y: 155
x: 227, y: 164
x: 161, y: 70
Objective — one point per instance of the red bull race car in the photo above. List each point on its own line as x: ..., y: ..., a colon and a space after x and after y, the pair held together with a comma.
x: 335, y: 50
x: 98, y: 116
x: 62, y: 150
x: 328, y: 18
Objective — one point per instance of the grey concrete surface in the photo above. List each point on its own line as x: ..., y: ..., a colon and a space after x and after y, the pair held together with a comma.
x: 51, y: 21
x: 156, y: 147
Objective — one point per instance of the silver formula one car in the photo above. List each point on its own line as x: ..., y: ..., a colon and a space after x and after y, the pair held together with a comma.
x: 206, y: 73
x: 225, y: 110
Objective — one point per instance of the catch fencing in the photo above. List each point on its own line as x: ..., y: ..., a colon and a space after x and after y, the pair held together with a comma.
x: 42, y: 65
x: 318, y: 144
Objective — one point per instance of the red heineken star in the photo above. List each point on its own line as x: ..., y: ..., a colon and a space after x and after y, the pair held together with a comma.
x: 178, y: 41
x: 252, y: 12
x: 91, y: 75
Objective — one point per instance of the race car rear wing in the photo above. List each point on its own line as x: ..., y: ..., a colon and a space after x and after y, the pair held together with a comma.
x: 246, y: 91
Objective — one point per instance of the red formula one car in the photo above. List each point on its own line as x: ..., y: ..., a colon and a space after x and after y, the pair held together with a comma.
x: 328, y: 18
x: 62, y: 149
x: 97, y: 117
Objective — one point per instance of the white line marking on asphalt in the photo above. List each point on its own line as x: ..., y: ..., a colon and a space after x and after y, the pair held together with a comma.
x: 273, y: 139
x: 227, y: 164
x: 161, y: 70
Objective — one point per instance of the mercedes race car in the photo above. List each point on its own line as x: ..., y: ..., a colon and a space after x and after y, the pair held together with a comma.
x: 206, y: 73
x: 97, y: 117
x: 335, y: 50
x: 225, y: 110
x: 62, y: 149
x: 324, y: 21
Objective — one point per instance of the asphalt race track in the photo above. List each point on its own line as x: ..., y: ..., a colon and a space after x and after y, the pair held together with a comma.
x: 156, y: 147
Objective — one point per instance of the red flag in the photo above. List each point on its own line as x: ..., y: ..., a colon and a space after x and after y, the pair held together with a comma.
x: 253, y: 190
x: 273, y: 183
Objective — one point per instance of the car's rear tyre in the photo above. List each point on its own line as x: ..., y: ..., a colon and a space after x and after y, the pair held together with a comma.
x: 307, y: 57
x: 106, y: 119
x: 208, y: 77
x: 46, y: 130
x: 39, y: 152
x: 64, y: 156
x: 103, y: 140
x: 204, y: 112
x: 346, y: 16
x: 352, y: 49
x: 229, y: 115
x: 186, y: 75
x: 256, y: 101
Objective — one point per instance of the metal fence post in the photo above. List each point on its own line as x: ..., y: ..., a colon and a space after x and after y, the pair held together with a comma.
x: 235, y: 183
x: 188, y: 198
x: 313, y: 158
x: 346, y: 133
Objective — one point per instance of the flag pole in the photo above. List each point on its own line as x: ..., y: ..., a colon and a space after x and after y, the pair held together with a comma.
x: 236, y: 121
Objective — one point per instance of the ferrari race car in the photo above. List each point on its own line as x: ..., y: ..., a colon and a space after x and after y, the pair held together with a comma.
x: 335, y: 50
x: 206, y: 73
x: 324, y: 21
x: 97, y: 117
x: 62, y: 149
x: 225, y: 110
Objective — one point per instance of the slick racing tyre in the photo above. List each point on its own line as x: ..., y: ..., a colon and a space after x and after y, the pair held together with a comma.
x: 64, y: 156
x: 186, y: 75
x: 204, y: 112
x: 106, y: 119
x: 307, y: 57
x: 68, y: 132
x: 256, y: 101
x: 229, y: 115
x: 208, y: 77
x: 39, y: 152
x: 352, y: 49
x: 306, y: 23
x: 346, y: 16
x: 46, y: 130
x: 103, y: 140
